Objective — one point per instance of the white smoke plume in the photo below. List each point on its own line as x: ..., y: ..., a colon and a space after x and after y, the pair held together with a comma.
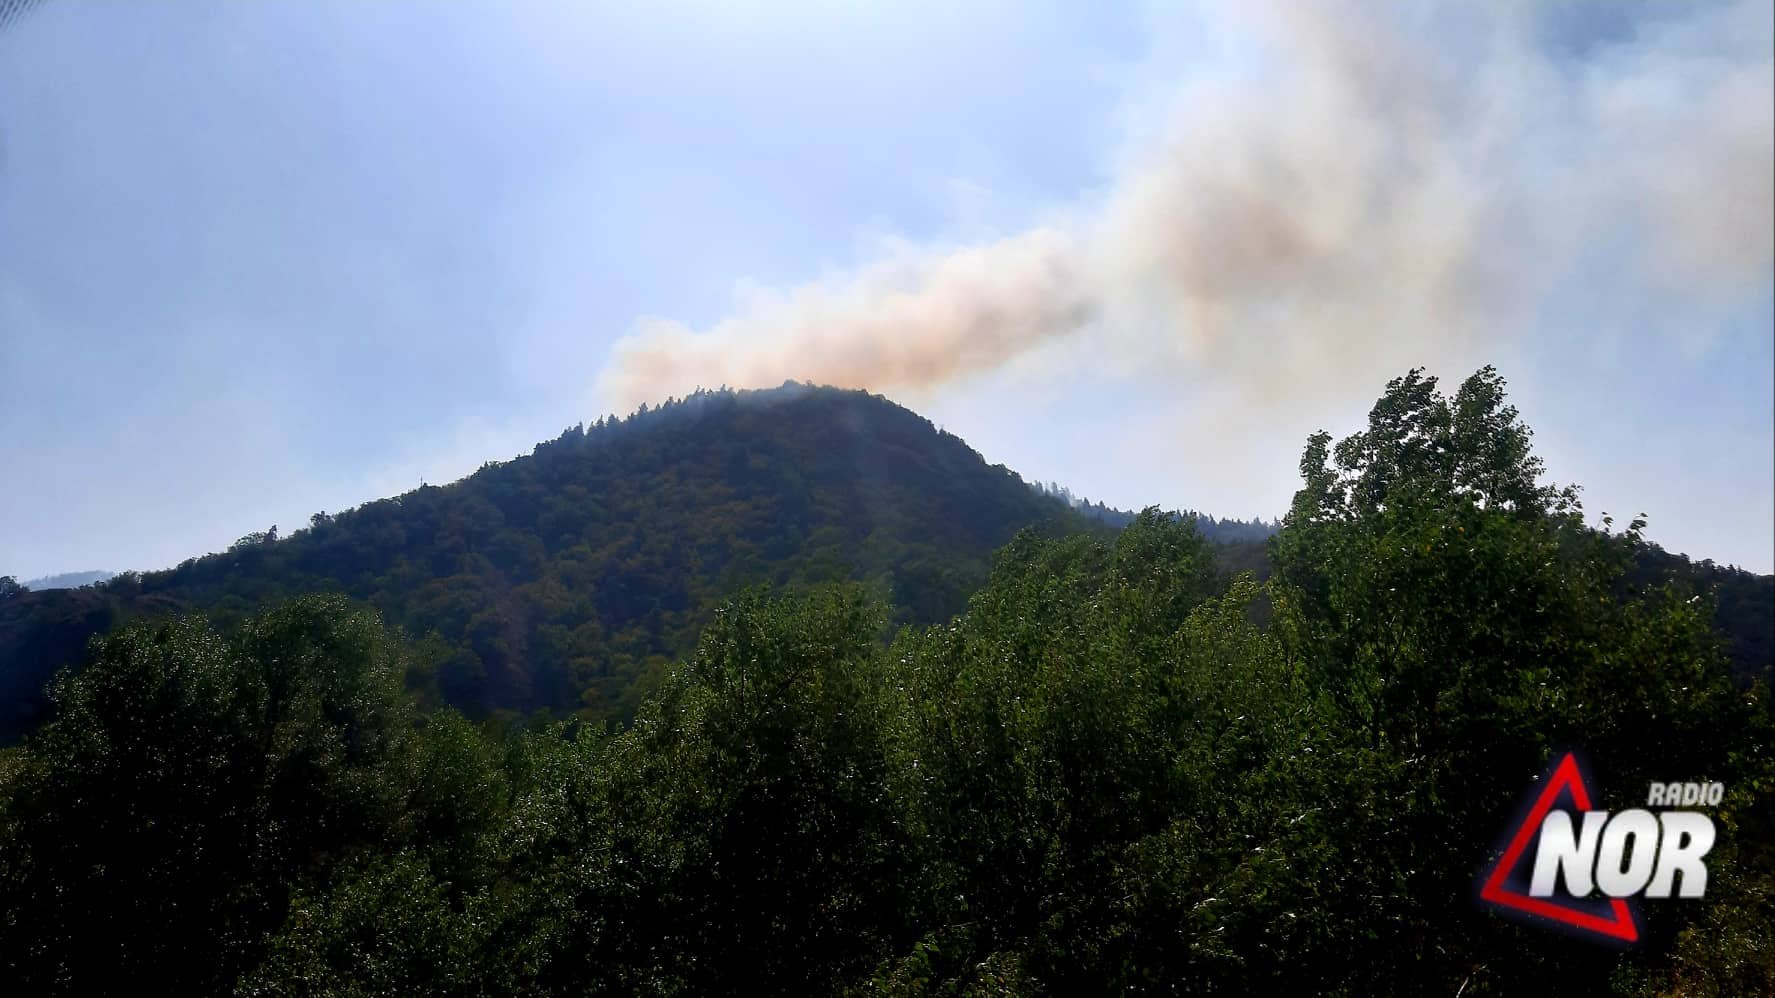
x: 1376, y: 183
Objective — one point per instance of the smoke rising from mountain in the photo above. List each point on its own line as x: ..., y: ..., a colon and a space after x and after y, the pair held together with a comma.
x: 1363, y: 187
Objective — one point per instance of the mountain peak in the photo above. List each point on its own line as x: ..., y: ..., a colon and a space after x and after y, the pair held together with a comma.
x: 567, y: 578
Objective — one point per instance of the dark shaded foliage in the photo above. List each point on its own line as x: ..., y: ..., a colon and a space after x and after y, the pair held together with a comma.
x: 567, y: 580
x: 190, y: 782
x: 40, y: 632
x: 1744, y: 603
x: 1117, y: 771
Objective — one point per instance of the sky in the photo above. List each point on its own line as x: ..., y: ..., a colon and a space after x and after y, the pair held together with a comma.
x: 263, y: 260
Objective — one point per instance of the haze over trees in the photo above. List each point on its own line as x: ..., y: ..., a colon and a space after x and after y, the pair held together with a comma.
x: 1117, y: 769
x: 1219, y: 529
x: 567, y: 580
x: 67, y: 580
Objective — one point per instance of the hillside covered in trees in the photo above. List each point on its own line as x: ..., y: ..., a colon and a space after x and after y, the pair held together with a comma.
x: 1116, y: 771
x: 1221, y: 530
x: 566, y: 580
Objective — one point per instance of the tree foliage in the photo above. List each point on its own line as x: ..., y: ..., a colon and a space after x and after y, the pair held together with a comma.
x: 567, y: 580
x: 1115, y: 770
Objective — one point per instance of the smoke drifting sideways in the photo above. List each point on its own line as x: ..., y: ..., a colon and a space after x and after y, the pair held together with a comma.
x: 1372, y: 182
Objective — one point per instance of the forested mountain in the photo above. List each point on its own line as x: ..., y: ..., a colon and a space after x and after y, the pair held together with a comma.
x: 1744, y: 603
x: 1117, y: 771
x: 564, y: 581
x: 568, y: 578
x: 68, y: 580
x: 1220, y: 530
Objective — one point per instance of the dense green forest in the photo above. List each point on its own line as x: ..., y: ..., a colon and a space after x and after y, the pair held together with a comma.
x: 563, y: 583
x: 1116, y: 770
x: 569, y: 579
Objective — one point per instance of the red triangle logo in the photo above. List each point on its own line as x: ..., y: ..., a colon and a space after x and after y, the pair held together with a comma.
x: 1565, y: 777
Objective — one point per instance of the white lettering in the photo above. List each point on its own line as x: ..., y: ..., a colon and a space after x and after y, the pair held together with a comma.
x: 1622, y: 870
x: 1563, y: 850
x: 1688, y: 835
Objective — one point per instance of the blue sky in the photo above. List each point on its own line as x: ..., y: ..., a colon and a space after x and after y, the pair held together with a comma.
x: 261, y: 260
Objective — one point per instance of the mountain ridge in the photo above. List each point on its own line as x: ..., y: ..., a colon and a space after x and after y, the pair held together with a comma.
x: 567, y: 579
x: 69, y: 580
